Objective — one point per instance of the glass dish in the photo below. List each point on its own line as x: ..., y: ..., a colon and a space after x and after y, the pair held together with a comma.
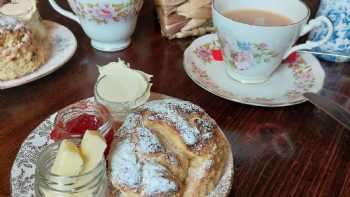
x: 75, y: 119
x: 90, y: 184
x: 119, y: 110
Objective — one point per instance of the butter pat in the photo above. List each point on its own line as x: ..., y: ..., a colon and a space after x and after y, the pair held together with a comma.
x: 119, y: 83
x: 92, y: 148
x: 68, y: 161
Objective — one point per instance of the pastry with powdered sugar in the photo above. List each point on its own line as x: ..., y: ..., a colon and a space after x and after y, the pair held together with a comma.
x: 168, y: 148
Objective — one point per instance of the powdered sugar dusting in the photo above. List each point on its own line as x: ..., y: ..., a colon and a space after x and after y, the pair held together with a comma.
x: 200, y: 172
x: 155, y: 181
x: 125, y: 167
x: 144, y: 174
x: 131, y: 122
x: 131, y: 168
x: 137, y: 172
x: 183, y: 106
x: 224, y: 186
x: 206, y: 126
x: 148, y: 142
x: 168, y: 110
x: 189, y: 134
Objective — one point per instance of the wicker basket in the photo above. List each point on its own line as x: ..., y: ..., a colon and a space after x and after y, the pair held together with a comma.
x: 183, y: 18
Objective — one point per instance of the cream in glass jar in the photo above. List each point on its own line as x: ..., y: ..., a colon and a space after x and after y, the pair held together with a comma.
x: 121, y: 89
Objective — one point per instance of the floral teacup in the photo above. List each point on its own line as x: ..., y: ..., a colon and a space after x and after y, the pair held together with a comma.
x: 109, y: 23
x: 253, y: 52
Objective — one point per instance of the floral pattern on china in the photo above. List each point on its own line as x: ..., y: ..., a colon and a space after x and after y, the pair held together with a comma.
x: 300, y: 67
x: 245, y: 54
x: 106, y: 12
x: 302, y: 71
x: 205, y: 51
x: 338, y: 11
x: 304, y: 77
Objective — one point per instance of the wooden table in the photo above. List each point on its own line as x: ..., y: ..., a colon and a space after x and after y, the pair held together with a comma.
x: 290, y: 151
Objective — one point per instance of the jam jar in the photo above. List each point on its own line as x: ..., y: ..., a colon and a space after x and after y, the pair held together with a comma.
x: 74, y: 120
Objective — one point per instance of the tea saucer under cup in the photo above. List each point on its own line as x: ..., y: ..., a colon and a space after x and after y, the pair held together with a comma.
x: 299, y: 74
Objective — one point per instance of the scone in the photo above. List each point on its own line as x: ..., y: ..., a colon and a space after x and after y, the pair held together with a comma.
x: 20, y: 53
x: 167, y: 148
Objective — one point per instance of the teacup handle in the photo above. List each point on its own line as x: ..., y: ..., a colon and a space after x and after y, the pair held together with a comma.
x: 306, y: 29
x: 63, y: 11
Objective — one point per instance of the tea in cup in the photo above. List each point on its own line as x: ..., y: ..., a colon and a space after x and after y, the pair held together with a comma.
x: 256, y: 35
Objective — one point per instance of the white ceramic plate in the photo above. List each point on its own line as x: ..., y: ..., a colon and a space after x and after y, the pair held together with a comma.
x: 23, y: 168
x: 63, y: 45
x: 285, y: 87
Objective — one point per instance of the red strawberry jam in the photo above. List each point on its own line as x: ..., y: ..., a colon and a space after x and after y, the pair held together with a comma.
x: 76, y: 127
x: 74, y: 120
x: 82, y: 123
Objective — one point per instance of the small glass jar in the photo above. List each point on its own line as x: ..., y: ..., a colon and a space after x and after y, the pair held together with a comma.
x: 119, y: 110
x: 75, y: 119
x: 90, y: 184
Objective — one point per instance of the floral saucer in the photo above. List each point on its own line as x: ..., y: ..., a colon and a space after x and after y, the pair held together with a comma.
x: 299, y: 74
x: 63, y: 45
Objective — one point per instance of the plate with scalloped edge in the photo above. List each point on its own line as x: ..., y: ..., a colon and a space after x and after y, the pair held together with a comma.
x: 23, y: 168
x: 64, y: 45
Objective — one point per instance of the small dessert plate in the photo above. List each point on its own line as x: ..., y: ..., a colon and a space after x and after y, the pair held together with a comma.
x: 299, y: 74
x: 23, y: 168
x: 63, y: 47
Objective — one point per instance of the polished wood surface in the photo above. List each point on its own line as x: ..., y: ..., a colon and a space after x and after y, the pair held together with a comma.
x: 290, y: 151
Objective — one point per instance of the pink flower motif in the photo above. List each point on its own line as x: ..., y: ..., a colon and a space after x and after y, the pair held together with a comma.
x: 242, y: 60
x: 106, y: 13
x: 197, y: 71
x: 204, y: 54
x: 306, y: 75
